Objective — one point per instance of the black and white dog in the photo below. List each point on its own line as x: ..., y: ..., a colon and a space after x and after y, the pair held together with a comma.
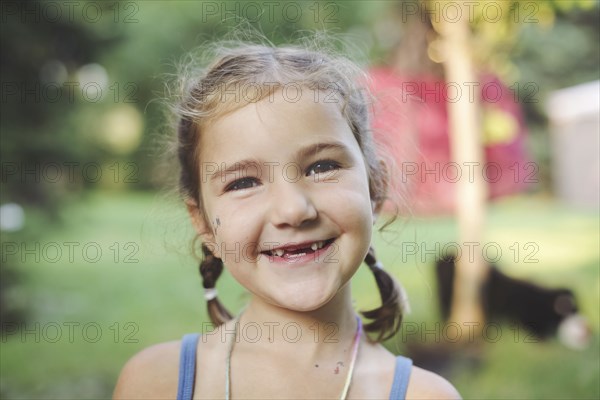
x: 543, y: 312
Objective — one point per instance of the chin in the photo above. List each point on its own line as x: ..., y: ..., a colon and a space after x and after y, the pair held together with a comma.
x: 304, y: 301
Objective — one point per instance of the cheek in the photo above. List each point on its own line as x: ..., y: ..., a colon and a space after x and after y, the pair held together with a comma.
x: 348, y: 199
x: 236, y: 232
x: 349, y: 210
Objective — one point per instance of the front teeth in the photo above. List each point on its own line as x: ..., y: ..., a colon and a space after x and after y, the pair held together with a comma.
x: 314, y: 247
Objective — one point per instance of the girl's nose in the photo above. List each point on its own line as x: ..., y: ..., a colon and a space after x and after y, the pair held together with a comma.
x: 291, y: 206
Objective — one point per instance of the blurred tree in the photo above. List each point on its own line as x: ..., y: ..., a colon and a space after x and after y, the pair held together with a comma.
x: 39, y: 141
x: 41, y: 93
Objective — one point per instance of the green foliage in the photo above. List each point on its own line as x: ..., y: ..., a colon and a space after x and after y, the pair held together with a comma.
x: 38, y: 124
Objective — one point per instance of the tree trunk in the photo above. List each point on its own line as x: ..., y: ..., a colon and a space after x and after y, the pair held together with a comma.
x: 471, y: 190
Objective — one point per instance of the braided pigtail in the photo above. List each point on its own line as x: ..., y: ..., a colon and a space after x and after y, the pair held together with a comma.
x: 210, y: 269
x: 388, y: 317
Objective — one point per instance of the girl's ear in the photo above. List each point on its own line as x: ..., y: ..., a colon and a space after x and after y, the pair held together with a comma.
x: 199, y: 222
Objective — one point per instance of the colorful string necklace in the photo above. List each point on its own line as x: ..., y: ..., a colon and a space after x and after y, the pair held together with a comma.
x: 348, y: 376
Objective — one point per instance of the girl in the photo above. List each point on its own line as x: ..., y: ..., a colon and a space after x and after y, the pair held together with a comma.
x: 283, y: 185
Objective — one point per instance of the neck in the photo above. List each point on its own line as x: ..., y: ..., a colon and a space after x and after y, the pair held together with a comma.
x: 322, y: 332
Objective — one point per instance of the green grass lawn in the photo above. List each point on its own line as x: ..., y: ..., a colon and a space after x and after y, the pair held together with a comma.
x: 131, y: 282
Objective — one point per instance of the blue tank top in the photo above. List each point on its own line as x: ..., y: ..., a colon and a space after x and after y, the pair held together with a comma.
x: 187, y: 371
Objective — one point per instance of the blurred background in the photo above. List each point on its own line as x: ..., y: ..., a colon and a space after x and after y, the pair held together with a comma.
x: 96, y: 255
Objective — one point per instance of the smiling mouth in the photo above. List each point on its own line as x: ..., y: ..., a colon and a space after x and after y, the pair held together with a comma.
x: 292, y: 252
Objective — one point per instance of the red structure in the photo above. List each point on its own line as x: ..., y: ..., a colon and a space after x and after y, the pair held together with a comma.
x: 410, y: 123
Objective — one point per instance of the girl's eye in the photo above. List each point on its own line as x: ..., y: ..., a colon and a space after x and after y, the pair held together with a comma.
x: 242, y: 183
x: 321, y: 167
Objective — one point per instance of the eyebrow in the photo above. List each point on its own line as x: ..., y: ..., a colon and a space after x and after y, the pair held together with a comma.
x: 305, y: 152
x: 316, y: 148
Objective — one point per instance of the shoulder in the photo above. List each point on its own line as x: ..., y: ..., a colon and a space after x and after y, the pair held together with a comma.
x: 151, y: 373
x: 377, y: 370
x: 425, y: 384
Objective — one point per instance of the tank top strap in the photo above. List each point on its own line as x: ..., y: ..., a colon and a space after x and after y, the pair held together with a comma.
x: 187, y: 366
x: 401, y: 377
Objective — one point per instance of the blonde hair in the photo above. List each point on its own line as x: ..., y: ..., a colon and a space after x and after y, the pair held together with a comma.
x: 266, y: 69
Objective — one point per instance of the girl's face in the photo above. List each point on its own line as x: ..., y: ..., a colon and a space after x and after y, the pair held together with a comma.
x: 285, y: 197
